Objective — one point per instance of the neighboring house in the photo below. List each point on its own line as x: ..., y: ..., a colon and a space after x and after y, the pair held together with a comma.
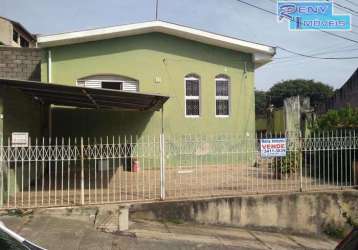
x: 19, y: 59
x: 347, y: 95
x: 15, y: 35
x: 209, y: 78
x: 110, y: 81
x: 296, y: 115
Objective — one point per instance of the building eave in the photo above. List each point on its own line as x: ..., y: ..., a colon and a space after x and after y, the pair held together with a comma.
x: 161, y: 27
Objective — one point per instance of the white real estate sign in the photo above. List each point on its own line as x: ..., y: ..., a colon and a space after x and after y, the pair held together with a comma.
x: 273, y: 147
x: 20, y: 139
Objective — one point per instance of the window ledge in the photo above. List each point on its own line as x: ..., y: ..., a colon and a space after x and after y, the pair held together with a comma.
x: 192, y: 116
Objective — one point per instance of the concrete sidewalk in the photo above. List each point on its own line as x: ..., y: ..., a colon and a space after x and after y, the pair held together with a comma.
x: 67, y: 233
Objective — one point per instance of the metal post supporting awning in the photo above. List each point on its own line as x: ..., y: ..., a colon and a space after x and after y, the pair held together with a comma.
x: 81, y: 97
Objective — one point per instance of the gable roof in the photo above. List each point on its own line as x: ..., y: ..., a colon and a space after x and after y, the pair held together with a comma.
x: 262, y: 53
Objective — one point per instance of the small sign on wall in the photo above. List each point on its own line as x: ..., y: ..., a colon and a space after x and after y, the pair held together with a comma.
x: 273, y: 147
x: 20, y: 139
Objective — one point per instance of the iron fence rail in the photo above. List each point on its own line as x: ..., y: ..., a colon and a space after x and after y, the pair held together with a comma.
x: 80, y: 171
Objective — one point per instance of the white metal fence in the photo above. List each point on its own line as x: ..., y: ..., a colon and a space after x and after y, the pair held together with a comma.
x: 69, y: 172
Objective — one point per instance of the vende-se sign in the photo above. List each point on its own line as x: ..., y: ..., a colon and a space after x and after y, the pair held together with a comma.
x: 273, y: 147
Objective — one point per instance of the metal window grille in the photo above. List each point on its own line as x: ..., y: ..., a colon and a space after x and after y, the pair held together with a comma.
x: 192, y: 96
x: 222, y: 96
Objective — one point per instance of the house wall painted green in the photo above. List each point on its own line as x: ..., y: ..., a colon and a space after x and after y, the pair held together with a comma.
x: 145, y: 58
x: 20, y: 113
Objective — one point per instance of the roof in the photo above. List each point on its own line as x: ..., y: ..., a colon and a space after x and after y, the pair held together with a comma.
x: 21, y: 27
x: 49, y: 93
x: 262, y: 53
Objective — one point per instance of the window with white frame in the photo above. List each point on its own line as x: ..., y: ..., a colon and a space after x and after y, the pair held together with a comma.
x: 222, y: 96
x: 192, y: 96
x: 115, y: 82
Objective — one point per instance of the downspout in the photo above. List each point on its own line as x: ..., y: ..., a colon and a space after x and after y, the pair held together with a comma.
x: 49, y: 77
x: 49, y: 66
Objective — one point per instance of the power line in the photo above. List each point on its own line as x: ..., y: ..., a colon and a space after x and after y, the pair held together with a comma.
x: 340, y: 6
x: 351, y: 2
x: 318, y: 53
x: 273, y: 13
x: 317, y: 57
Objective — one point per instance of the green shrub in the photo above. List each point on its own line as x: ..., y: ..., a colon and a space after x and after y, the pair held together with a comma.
x: 286, y: 165
x: 344, y: 118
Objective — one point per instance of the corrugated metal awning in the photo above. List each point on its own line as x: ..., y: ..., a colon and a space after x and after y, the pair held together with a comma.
x: 50, y: 93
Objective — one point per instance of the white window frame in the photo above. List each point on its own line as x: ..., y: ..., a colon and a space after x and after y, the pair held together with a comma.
x: 190, y: 78
x: 100, y: 81
x: 97, y: 80
x: 218, y: 98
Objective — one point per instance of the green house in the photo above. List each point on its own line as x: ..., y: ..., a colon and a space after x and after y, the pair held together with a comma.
x: 208, y: 78
x: 132, y: 81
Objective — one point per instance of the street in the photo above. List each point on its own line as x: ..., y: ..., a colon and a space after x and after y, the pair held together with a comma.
x: 67, y: 233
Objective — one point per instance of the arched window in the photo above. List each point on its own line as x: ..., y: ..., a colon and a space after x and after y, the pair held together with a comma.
x: 222, y: 96
x: 109, y: 81
x: 192, y: 95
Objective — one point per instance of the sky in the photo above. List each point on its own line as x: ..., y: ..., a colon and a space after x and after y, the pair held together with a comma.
x: 226, y: 17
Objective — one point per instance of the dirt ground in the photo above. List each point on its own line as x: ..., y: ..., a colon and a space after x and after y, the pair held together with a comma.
x: 117, y: 185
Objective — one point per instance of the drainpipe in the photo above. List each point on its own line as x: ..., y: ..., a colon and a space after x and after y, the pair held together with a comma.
x: 162, y: 158
x: 49, y: 121
x: 49, y: 66
x: 1, y: 154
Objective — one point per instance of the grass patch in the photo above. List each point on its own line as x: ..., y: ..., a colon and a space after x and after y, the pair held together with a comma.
x: 173, y: 221
x: 334, y: 231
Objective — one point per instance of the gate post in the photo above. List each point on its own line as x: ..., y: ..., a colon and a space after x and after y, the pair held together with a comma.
x: 301, y: 159
x: 1, y: 171
x: 82, y: 175
x: 162, y: 167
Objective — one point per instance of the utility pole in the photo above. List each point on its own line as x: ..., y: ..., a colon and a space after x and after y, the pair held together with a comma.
x: 156, y: 10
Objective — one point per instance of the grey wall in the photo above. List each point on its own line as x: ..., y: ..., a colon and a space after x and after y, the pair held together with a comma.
x: 20, y: 63
x: 19, y: 112
x: 305, y: 213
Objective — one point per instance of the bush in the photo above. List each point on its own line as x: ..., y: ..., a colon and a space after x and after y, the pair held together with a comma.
x: 345, y: 118
x: 286, y: 165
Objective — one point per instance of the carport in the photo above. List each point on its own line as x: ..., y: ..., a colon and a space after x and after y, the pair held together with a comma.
x: 60, y: 95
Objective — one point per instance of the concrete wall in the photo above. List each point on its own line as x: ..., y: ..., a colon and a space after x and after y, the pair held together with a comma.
x: 5, y: 32
x: 300, y: 212
x: 150, y: 56
x: 274, y: 123
x: 19, y: 113
x: 20, y: 63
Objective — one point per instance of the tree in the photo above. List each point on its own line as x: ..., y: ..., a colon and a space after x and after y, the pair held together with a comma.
x: 317, y: 91
x: 260, y: 102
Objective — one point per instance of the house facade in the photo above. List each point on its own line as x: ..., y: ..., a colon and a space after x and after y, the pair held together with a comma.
x: 344, y: 96
x: 13, y: 34
x: 209, y: 78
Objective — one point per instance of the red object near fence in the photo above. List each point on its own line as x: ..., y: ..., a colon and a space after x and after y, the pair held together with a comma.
x: 135, y: 166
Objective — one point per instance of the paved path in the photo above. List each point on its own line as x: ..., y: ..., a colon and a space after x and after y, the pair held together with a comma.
x: 66, y: 233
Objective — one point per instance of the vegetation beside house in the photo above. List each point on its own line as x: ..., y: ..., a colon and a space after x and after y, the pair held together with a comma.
x: 269, y: 104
